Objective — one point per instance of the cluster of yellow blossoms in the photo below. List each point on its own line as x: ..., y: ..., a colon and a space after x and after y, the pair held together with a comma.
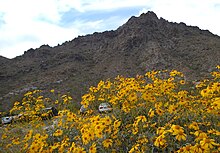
x: 157, y: 112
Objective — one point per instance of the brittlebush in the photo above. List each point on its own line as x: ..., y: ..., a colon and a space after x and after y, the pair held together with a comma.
x: 159, y: 111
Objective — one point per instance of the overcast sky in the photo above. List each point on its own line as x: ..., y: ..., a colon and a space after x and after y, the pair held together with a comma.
x: 26, y: 24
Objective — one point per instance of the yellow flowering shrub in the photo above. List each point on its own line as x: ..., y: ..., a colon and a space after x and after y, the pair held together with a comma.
x: 157, y: 112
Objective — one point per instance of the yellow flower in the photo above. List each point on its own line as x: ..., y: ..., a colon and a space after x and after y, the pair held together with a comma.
x: 197, y: 148
x: 98, y: 134
x: 215, y: 132
x: 25, y: 146
x: 85, y: 137
x: 56, y: 102
x: 182, y: 82
x: 91, y: 134
x: 207, y: 143
x: 216, y: 104
x: 159, y: 111
x: 16, y: 141
x: 93, y: 89
x: 55, y: 145
x: 99, y: 127
x: 37, y: 136
x: 176, y: 129
x: 200, y: 135
x: 186, y: 149
x: 126, y: 107
x: 35, y: 146
x: 117, y: 123
x: 135, y: 130
x: 28, y: 135
x: 172, y: 109
x: 92, y: 149
x: 160, y: 130
x: 107, y: 143
x: 132, y: 97
x: 141, y: 118
x: 194, y: 126
x: 28, y: 94
x: 151, y: 113
x: 71, y: 149
x: 160, y: 141
x: 107, y: 120
x: 70, y: 116
x: 4, y: 136
x: 79, y: 150
x: 134, y: 148
x: 58, y: 132
x: 142, y: 140
x: 16, y: 103
x: 181, y: 136
x: 204, y: 93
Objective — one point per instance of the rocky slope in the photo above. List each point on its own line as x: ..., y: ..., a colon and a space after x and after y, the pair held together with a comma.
x: 143, y: 43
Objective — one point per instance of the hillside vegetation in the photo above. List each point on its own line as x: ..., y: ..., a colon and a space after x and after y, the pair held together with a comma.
x: 142, y: 44
x: 156, y: 112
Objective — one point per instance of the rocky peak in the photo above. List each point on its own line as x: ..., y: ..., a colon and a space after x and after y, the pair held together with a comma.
x: 145, y: 19
x: 150, y: 15
x: 144, y: 25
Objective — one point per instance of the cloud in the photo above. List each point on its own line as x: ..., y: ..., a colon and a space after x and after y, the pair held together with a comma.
x: 2, y: 22
x: 97, y: 20
x: 32, y: 23
x: 103, y: 5
x: 29, y: 23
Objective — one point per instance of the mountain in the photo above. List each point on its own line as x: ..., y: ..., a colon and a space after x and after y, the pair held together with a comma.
x: 143, y: 43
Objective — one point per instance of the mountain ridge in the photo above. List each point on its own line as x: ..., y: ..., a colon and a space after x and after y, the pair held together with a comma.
x: 142, y: 44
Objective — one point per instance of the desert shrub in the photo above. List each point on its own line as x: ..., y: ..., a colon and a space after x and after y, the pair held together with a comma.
x: 157, y: 112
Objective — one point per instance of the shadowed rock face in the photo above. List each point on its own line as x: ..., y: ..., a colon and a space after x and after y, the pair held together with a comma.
x: 143, y: 43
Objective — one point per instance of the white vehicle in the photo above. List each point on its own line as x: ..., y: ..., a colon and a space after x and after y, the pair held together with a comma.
x: 52, y: 111
x: 105, y: 107
x: 7, y: 119
x: 82, y: 109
